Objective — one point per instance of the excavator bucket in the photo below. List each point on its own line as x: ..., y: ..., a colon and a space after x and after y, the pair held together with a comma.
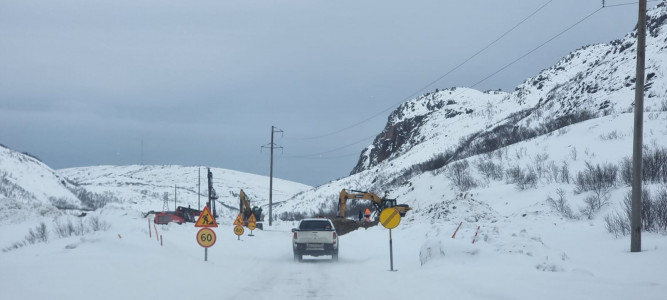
x: 344, y: 226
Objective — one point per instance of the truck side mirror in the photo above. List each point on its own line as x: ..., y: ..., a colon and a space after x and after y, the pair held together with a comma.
x: 294, y: 230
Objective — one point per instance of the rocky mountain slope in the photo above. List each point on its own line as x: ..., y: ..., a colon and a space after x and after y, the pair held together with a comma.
x: 595, y: 80
x: 575, y: 113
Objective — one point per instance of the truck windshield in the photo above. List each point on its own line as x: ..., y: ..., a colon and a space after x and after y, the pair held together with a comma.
x: 315, y: 225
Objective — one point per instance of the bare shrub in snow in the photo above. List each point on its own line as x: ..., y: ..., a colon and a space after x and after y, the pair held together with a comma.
x: 599, y: 180
x: 62, y: 203
x: 10, y: 189
x: 94, y: 201
x: 38, y: 235
x: 490, y: 169
x: 539, y: 164
x: 292, y: 216
x: 459, y: 174
x: 98, y: 225
x: 560, y: 204
x: 521, y: 178
x: 551, y: 172
x: 654, y: 166
x: 617, y: 224
x: 573, y: 153
x: 591, y: 207
x: 565, y: 173
x: 63, y: 230
x: 654, y: 213
x: 613, y: 135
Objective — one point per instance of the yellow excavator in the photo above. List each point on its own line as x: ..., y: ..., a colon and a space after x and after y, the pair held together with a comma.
x: 245, y: 210
x: 378, y: 203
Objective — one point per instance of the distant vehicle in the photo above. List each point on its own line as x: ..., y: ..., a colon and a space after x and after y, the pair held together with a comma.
x: 315, y: 237
x: 180, y: 216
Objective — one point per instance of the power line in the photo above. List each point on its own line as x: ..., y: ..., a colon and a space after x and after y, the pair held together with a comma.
x: 332, y: 150
x: 432, y: 82
x: 531, y: 51
x: 623, y: 4
x: 536, y: 48
x: 330, y: 157
x: 477, y: 83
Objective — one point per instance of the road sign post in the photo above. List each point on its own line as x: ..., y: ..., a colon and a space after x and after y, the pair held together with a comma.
x: 251, y: 226
x: 238, y: 230
x: 390, y: 218
x: 206, y: 236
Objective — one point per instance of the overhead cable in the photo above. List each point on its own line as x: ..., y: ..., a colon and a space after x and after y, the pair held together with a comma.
x: 432, y: 82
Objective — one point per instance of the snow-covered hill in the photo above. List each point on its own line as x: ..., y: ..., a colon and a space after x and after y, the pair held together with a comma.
x: 144, y: 188
x: 579, y: 111
x: 596, y: 79
x: 29, y: 187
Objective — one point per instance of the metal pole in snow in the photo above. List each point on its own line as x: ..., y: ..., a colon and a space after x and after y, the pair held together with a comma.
x: 457, y: 229
x: 391, y: 253
x: 476, y: 232
x: 199, y: 191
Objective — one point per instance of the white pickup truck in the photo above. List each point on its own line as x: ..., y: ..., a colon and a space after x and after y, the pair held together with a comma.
x: 315, y: 237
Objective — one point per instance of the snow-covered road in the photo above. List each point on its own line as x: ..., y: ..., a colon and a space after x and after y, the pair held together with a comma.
x: 510, y: 261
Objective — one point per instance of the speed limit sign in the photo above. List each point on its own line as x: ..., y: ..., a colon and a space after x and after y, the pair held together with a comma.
x: 206, y: 237
x: 238, y: 230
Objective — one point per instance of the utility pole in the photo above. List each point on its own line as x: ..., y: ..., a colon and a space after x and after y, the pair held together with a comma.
x: 272, y: 145
x: 174, y: 197
x: 212, y: 196
x: 636, y: 214
x: 210, y: 187
x: 142, y: 152
x: 199, y: 191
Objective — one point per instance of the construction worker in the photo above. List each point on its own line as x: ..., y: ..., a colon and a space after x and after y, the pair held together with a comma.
x: 361, y: 215
x: 367, y: 214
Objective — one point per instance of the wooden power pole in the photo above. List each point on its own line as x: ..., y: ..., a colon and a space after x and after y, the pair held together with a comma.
x: 272, y: 146
x: 636, y: 214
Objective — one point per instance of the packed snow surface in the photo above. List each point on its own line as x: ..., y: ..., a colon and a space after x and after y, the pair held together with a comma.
x: 513, y: 258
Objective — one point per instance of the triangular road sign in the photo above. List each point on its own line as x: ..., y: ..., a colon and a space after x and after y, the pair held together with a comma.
x: 239, y: 220
x: 206, y: 219
x: 252, y: 219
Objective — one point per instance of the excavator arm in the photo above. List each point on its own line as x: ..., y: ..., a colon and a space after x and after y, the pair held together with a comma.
x: 244, y: 204
x: 344, y: 195
x: 378, y: 202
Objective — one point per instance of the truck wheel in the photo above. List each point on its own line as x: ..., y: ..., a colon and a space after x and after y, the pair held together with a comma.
x: 334, y: 257
x: 298, y: 257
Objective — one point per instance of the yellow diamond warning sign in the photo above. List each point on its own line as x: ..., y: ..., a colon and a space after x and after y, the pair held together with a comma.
x: 206, y: 219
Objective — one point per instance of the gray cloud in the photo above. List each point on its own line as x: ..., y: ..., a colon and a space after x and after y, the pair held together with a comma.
x: 84, y: 82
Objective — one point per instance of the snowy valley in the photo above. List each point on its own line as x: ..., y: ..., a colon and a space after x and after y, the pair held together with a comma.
x: 538, y: 177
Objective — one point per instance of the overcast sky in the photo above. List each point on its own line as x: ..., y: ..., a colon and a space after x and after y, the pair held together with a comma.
x: 88, y: 82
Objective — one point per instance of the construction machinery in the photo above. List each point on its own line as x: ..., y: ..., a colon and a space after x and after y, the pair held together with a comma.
x: 180, y: 216
x: 344, y: 226
x: 378, y: 203
x: 246, y: 211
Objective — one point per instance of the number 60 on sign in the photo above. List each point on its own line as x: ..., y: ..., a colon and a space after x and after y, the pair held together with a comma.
x: 206, y: 237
